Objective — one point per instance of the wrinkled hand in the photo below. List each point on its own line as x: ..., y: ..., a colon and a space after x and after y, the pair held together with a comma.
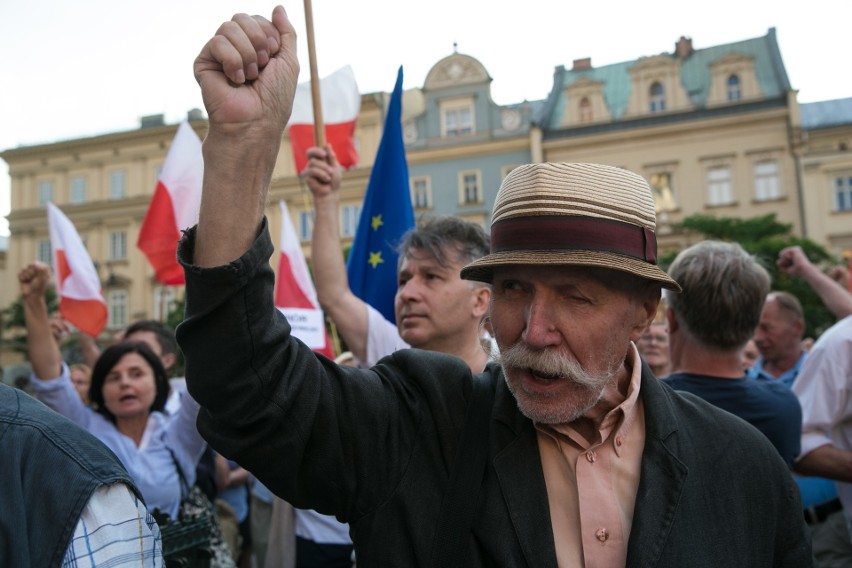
x: 34, y: 279
x: 793, y: 261
x: 248, y: 73
x: 323, y: 174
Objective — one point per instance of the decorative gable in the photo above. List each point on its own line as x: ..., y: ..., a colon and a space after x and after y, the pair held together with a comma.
x: 456, y: 70
x: 655, y: 86
x: 733, y: 80
x: 584, y: 104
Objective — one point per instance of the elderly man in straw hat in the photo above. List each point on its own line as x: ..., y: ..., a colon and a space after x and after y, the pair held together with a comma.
x: 568, y: 452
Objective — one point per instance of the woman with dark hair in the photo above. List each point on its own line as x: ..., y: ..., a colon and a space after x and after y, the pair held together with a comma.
x: 127, y: 395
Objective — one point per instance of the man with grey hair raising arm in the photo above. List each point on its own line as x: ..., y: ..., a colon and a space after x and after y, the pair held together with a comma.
x: 586, y: 459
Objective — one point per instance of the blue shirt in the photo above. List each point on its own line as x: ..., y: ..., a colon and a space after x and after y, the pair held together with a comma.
x: 770, y: 407
x: 150, y: 464
x: 757, y: 372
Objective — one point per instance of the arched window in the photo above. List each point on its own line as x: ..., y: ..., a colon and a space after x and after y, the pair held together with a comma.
x: 585, y: 110
x: 658, y: 98
x: 734, y: 92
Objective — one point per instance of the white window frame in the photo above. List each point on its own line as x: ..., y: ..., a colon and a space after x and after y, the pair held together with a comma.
x: 463, y: 189
x: 720, y: 186
x: 45, y: 192
x: 843, y: 192
x: 117, y: 245
x: 117, y: 184
x: 306, y: 225
x: 117, y: 308
x: 657, y: 101
x: 767, y: 180
x: 421, y: 192
x: 452, y: 111
x: 78, y: 190
x: 44, y: 252
x: 349, y: 216
x: 734, y: 92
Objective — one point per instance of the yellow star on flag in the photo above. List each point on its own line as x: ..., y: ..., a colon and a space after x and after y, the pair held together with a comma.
x: 376, y: 223
x: 375, y: 259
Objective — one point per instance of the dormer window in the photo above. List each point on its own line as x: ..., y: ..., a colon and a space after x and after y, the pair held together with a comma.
x: 734, y: 91
x: 657, y: 98
x: 585, y: 111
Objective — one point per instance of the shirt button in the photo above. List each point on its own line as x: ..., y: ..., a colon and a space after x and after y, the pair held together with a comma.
x: 591, y: 457
x: 602, y: 534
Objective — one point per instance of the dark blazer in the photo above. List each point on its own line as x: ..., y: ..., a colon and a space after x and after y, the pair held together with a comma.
x: 376, y: 447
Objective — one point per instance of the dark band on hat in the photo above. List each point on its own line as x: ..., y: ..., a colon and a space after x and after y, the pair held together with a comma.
x: 560, y: 233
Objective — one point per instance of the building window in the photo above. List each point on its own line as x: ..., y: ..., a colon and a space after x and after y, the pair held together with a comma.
x: 658, y: 98
x: 471, y: 188
x: 117, y: 308
x: 458, y: 120
x: 117, y: 245
x: 767, y: 182
x: 44, y: 252
x: 843, y: 193
x: 585, y: 111
x: 661, y: 184
x: 421, y: 193
x: 349, y: 215
x: 117, y: 189
x: 78, y: 190
x: 164, y: 301
x: 45, y: 193
x: 719, y: 190
x: 306, y: 225
x: 734, y: 92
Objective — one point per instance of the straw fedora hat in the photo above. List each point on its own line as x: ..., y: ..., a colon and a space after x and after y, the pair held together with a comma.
x: 564, y: 214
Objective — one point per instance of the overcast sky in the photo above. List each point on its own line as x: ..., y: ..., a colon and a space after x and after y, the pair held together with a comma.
x: 85, y: 67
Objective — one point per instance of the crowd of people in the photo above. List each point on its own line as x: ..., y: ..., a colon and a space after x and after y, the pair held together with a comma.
x: 547, y: 396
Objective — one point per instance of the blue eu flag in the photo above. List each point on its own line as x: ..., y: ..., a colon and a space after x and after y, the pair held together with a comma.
x: 385, y: 216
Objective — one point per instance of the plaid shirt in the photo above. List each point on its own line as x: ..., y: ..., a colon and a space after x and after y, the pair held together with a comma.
x: 115, y: 529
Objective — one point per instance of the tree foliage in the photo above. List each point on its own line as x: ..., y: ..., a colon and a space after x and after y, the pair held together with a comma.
x: 13, y: 320
x: 765, y: 237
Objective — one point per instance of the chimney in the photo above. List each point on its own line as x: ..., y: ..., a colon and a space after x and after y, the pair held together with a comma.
x: 683, y: 47
x: 152, y: 120
x: 194, y: 114
x: 581, y: 64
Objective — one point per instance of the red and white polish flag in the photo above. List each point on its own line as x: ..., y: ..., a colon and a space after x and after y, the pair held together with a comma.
x: 78, y: 286
x: 295, y: 295
x: 174, y: 206
x: 341, y: 103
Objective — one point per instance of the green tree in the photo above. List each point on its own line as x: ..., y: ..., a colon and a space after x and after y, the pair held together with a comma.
x: 13, y: 321
x: 765, y: 237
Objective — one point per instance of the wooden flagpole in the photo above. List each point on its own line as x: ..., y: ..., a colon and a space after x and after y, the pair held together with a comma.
x: 319, y: 129
x: 319, y: 125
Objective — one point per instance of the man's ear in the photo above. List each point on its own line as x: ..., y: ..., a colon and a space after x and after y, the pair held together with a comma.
x: 481, y: 301
x: 646, y: 310
x: 169, y: 361
x: 671, y: 320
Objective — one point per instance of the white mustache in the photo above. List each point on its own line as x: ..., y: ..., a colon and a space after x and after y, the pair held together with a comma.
x: 546, y: 362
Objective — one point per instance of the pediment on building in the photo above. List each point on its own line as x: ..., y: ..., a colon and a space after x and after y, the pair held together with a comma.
x: 654, y: 62
x: 456, y: 70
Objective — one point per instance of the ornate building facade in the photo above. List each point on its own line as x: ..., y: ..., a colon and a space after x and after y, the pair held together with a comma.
x: 715, y: 130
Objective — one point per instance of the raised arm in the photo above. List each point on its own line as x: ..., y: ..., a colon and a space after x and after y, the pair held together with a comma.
x: 794, y: 262
x: 42, y: 348
x: 247, y: 73
x: 346, y: 310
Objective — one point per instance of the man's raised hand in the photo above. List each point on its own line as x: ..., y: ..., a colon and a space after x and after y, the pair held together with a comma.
x: 248, y: 73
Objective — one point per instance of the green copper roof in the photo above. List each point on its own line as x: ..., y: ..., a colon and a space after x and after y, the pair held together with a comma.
x: 695, y: 74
